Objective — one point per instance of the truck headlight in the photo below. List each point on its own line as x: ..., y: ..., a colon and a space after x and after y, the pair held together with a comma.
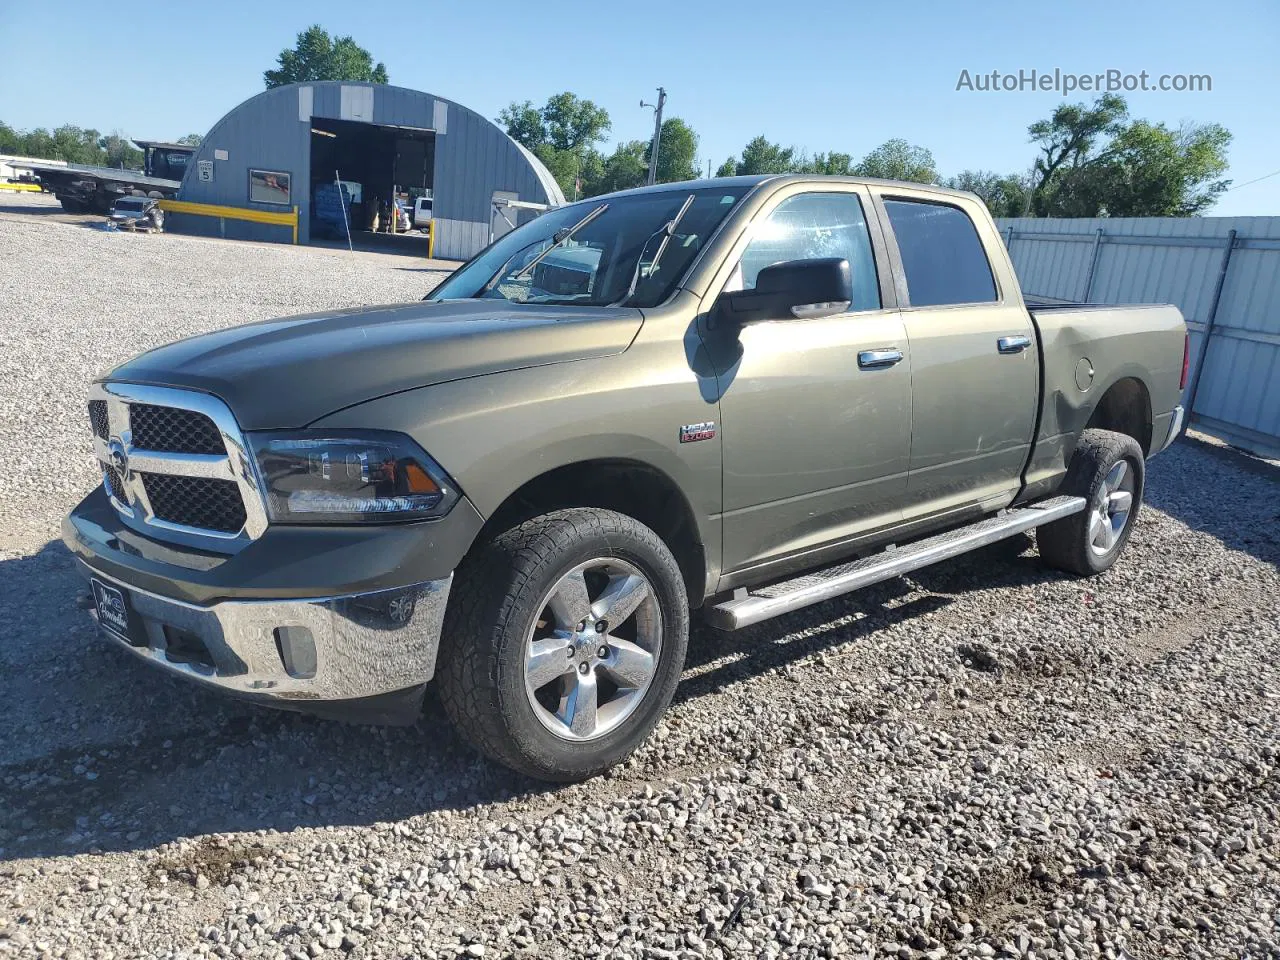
x: 370, y: 476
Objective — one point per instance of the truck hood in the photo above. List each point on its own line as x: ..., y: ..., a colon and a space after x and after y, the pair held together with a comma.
x: 281, y: 374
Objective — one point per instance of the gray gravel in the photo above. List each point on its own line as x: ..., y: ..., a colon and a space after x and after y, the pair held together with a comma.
x: 987, y: 760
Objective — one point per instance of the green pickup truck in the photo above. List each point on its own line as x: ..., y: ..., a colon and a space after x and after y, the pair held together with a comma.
x: 729, y: 398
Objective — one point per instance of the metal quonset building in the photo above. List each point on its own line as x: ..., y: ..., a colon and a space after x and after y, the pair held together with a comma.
x: 272, y: 151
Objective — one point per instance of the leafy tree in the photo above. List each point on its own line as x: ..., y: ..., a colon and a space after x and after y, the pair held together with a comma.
x: 1095, y: 161
x: 317, y: 56
x: 898, y: 160
x: 728, y: 169
x: 676, y: 152
x: 1006, y: 195
x: 191, y: 139
x: 573, y: 124
x: 1067, y: 139
x: 625, y: 168
x: 562, y: 134
x: 830, y: 164
x: 761, y: 156
x: 523, y: 123
x: 120, y: 152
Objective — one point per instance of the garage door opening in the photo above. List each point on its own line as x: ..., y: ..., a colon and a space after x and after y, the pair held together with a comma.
x: 374, y: 178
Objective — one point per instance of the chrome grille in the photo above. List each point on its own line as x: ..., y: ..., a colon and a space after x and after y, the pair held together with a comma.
x: 195, y: 502
x: 173, y: 430
x: 175, y: 464
x: 98, y: 419
x: 115, y: 483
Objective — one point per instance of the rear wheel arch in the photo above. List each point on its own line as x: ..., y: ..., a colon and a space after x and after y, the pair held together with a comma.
x: 1125, y: 407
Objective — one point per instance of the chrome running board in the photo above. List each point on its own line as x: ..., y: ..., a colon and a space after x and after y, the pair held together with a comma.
x: 764, y: 602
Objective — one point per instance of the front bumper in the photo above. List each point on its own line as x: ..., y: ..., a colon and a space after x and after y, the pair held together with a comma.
x: 337, y: 621
x: 361, y: 656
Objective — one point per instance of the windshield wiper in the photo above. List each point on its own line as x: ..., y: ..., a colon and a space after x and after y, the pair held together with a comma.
x: 666, y: 231
x: 560, y: 237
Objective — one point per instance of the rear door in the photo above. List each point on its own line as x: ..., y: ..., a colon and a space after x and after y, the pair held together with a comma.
x: 815, y: 412
x: 974, y: 363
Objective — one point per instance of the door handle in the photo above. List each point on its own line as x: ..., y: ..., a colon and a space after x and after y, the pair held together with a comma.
x: 1013, y: 344
x: 877, y: 359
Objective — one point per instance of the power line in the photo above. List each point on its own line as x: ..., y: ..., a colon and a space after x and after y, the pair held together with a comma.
x: 1265, y: 176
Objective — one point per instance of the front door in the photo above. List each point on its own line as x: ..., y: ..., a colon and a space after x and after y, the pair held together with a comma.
x: 973, y: 361
x: 816, y: 413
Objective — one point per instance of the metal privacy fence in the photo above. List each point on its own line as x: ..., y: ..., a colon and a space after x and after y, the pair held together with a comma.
x: 1222, y: 272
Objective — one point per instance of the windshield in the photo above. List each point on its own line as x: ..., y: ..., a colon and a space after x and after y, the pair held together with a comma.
x: 131, y: 204
x: 613, y: 258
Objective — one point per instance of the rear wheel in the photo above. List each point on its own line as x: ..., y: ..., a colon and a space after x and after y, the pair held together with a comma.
x: 563, y: 643
x: 1109, y: 470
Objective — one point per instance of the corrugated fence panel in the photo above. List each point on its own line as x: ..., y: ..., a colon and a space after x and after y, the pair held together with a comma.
x: 1179, y: 261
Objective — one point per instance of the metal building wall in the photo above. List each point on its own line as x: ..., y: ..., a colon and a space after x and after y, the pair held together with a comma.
x: 272, y: 131
x: 1223, y: 273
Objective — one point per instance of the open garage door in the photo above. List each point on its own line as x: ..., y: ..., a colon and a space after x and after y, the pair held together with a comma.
x: 367, y: 177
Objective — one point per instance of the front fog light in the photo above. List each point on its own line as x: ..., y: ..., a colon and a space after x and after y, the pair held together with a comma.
x: 366, y: 477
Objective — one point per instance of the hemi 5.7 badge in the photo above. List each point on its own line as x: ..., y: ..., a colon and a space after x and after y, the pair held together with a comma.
x: 693, y: 432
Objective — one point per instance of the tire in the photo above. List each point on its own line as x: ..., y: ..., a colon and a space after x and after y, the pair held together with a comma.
x: 1105, y: 468
x: 516, y: 608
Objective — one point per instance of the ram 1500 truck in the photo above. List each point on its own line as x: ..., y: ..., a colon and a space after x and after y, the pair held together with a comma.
x: 731, y: 397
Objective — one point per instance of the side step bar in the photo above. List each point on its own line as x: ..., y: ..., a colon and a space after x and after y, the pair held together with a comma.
x: 764, y: 602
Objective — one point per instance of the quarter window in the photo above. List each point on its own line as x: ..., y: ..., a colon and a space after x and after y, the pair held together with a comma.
x: 942, y: 256
x: 812, y: 226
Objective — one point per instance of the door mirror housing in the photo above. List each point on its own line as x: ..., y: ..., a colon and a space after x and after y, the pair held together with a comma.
x: 793, y: 289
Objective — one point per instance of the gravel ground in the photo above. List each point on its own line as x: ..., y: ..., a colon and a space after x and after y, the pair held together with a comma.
x: 985, y: 760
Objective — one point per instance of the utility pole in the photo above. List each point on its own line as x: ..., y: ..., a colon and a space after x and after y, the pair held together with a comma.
x: 657, y: 133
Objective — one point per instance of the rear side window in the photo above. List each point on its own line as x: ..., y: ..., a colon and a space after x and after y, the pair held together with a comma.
x: 942, y: 256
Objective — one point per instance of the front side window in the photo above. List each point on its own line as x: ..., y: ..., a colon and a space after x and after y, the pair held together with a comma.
x: 813, y: 226
x: 624, y: 251
x: 942, y: 257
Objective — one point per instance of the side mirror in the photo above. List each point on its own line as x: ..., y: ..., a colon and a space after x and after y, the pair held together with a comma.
x: 804, y: 289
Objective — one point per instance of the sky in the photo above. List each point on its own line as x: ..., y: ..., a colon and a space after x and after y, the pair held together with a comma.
x: 822, y: 76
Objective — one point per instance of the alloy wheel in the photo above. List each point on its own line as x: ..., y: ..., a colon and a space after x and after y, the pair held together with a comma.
x: 1111, y: 509
x: 593, y: 651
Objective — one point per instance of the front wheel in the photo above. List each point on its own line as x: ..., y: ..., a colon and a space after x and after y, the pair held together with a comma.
x: 563, y: 642
x: 1108, y: 469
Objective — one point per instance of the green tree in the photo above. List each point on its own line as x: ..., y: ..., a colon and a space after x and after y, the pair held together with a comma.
x: 1005, y: 195
x: 760, y: 155
x: 191, y: 139
x: 317, y: 56
x: 563, y: 134
x: 1095, y: 161
x: 572, y: 123
x: 830, y: 164
x: 1067, y: 140
x: 676, y: 152
x: 523, y: 123
x: 625, y: 168
x: 1147, y: 170
x: 898, y: 160
x: 119, y: 152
